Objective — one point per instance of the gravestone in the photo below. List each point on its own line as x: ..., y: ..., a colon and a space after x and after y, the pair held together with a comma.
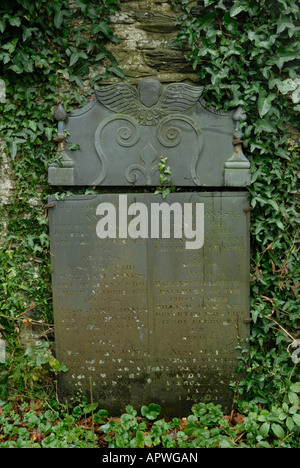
x: 150, y: 294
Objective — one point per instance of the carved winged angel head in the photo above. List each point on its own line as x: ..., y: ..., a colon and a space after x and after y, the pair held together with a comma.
x: 149, y: 102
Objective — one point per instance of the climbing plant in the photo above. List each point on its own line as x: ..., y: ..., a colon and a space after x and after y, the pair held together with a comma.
x: 247, y: 54
x: 49, y: 52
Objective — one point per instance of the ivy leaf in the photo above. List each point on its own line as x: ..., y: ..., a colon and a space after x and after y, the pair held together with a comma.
x: 207, y: 20
x: 264, y: 125
x: 77, y: 80
x: 102, y: 27
x: 59, y: 17
x: 74, y: 146
x: 10, y: 46
x: 230, y: 23
x: 48, y: 133
x: 15, y: 21
x: 2, y: 25
x: 13, y: 146
x: 32, y: 124
x: 265, y: 102
x: 100, y: 56
x: 83, y: 6
x: 286, y: 86
x: 30, y: 241
x: 116, y: 71
x: 74, y: 58
x: 283, y: 23
x: 236, y: 9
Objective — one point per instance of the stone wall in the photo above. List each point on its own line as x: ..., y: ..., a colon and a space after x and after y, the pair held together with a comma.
x: 147, y: 31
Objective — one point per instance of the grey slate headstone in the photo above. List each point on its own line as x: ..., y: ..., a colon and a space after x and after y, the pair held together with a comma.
x: 146, y: 319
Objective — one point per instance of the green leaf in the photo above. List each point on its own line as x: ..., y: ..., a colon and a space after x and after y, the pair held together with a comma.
x: 264, y: 430
x: 77, y: 412
x: 283, y: 23
x: 74, y: 146
x: 295, y: 387
x: 286, y: 86
x: 128, y: 421
x: 265, y: 102
x: 32, y: 124
x: 15, y: 21
x: 102, y: 27
x: 74, y: 58
x: 116, y: 71
x: 264, y: 125
x: 280, y: 224
x: 289, y: 423
x: 293, y: 398
x: 278, y: 431
x: 89, y: 408
x: 236, y: 9
x: 100, y: 56
x: 130, y: 410
x: 273, y: 204
x: 230, y: 23
x: 207, y: 20
x: 81, y: 5
x: 10, y: 46
x: 102, y: 413
x: 296, y: 419
x: 48, y: 133
x: 140, y: 439
x: 2, y: 25
x: 77, y: 80
x: 27, y: 33
x: 13, y: 146
x: 151, y: 411
x: 59, y: 17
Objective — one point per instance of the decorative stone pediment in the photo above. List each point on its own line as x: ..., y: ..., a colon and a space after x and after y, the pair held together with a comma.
x: 122, y: 133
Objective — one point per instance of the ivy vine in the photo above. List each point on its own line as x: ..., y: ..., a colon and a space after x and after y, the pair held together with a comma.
x: 247, y: 54
x: 49, y: 52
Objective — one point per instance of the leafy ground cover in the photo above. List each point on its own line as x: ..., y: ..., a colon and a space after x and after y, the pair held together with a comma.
x: 30, y: 425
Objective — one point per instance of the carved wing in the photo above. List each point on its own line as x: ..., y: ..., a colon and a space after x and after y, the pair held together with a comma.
x: 178, y: 97
x: 121, y: 98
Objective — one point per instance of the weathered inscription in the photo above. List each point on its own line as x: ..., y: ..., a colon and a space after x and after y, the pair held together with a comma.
x: 146, y: 319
